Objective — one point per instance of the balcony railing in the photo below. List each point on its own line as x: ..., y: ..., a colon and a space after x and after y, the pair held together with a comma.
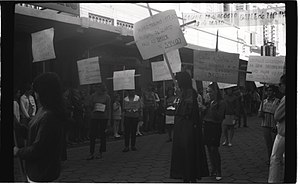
x: 101, y: 19
x: 30, y: 6
x: 124, y: 24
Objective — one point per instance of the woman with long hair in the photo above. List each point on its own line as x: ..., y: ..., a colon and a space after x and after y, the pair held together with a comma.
x: 212, y: 128
x: 42, y: 154
x: 188, y: 160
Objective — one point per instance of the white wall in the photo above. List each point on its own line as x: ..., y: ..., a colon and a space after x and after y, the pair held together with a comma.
x: 130, y: 12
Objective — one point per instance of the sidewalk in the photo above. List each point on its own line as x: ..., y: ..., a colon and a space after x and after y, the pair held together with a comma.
x: 244, y: 162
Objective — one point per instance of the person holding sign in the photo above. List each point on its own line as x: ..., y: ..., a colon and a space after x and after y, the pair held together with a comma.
x: 132, y: 115
x: 266, y: 112
x: 101, y: 113
x: 42, y: 154
x: 117, y: 115
x: 170, y: 113
x: 188, y: 160
x: 212, y: 130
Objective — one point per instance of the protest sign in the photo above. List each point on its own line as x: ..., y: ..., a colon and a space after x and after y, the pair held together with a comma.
x: 216, y: 66
x: 174, y: 60
x: 266, y: 69
x: 42, y: 45
x: 99, y: 107
x: 89, y: 71
x: 160, y: 70
x: 123, y: 80
x: 257, y: 17
x: 158, y: 34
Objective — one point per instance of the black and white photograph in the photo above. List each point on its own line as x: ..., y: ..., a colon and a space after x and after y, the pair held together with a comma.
x: 150, y: 92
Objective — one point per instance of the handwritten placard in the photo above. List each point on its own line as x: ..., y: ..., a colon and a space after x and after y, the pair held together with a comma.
x: 257, y: 17
x: 131, y: 105
x: 266, y: 69
x: 158, y: 34
x: 216, y: 66
x: 99, y: 107
x: 42, y: 45
x: 160, y: 69
x: 123, y: 80
x: 89, y: 71
x: 174, y: 60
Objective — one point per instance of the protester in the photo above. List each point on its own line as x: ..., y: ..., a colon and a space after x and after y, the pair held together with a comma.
x: 266, y: 112
x: 170, y: 113
x: 19, y: 129
x: 201, y: 105
x: 86, y: 114
x: 255, y: 101
x: 188, y: 160
x: 68, y: 129
x: 276, y: 171
x: 212, y: 130
x: 242, y: 108
x: 77, y: 102
x: 149, y: 108
x: 231, y: 116
x: 27, y: 106
x: 117, y: 115
x: 42, y: 154
x: 132, y: 115
x: 158, y: 111
x: 101, y: 113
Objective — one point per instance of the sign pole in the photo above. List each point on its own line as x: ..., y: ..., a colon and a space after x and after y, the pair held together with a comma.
x: 217, y: 41
x: 44, y: 67
x: 164, y: 93
x: 165, y: 55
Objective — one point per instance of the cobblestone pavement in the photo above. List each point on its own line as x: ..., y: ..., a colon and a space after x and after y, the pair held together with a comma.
x: 244, y: 162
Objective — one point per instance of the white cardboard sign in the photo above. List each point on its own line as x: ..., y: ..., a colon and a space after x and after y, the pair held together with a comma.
x: 123, y: 80
x: 216, y: 66
x: 89, y: 71
x: 160, y: 69
x: 158, y: 34
x: 266, y: 69
x: 42, y: 45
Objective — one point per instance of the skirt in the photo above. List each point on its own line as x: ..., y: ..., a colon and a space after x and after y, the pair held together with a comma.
x: 212, y: 133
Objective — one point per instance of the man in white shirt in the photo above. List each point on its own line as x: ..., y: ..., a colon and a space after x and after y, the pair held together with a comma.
x: 28, y: 106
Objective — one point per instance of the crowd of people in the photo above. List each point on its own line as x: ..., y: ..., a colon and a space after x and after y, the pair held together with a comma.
x: 47, y: 119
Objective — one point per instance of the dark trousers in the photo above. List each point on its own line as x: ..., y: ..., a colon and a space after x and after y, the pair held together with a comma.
x: 98, y: 126
x: 149, y: 115
x: 130, y: 126
x: 243, y: 114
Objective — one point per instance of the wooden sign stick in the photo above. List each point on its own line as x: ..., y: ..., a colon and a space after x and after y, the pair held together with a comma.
x: 165, y: 55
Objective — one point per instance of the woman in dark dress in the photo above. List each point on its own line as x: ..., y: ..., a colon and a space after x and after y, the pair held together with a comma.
x: 188, y: 154
x: 212, y: 128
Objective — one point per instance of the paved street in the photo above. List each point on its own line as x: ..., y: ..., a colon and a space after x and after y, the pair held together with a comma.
x: 244, y: 162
